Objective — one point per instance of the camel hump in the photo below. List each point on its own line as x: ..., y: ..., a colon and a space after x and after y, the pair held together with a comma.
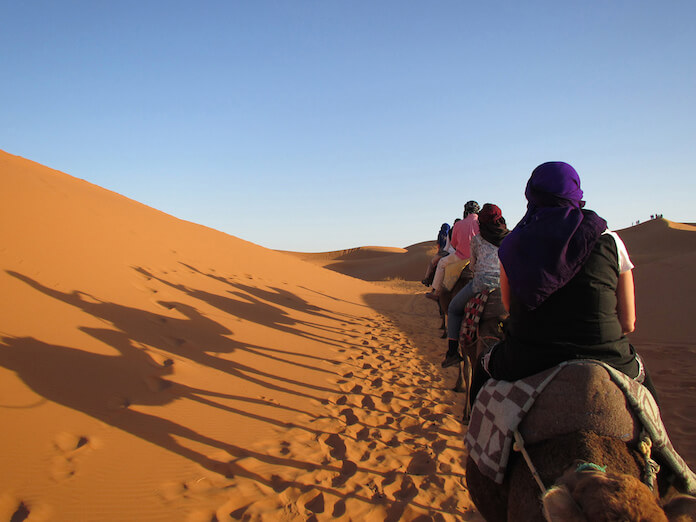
x: 580, y: 397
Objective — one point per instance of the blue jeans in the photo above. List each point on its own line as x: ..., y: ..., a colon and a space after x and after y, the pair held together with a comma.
x: 455, y: 311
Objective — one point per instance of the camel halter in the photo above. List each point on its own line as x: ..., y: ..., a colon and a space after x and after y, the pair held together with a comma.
x: 519, y: 446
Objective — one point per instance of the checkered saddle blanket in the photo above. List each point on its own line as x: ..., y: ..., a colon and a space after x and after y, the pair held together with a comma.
x: 501, y: 406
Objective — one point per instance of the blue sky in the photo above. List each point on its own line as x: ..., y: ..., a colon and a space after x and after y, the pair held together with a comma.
x: 322, y: 125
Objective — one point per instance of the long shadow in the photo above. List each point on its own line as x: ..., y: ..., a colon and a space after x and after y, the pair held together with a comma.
x: 246, y: 307
x: 193, y: 337
x: 111, y: 387
x: 155, y: 374
x: 282, y: 298
x: 108, y: 387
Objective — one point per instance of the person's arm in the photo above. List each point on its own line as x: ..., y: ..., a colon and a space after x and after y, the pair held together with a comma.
x: 472, y: 257
x: 504, y: 289
x: 626, y: 301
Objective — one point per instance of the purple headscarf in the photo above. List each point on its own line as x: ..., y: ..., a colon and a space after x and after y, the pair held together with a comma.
x: 555, y: 237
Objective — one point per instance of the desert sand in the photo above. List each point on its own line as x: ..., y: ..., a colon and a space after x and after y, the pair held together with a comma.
x: 155, y: 369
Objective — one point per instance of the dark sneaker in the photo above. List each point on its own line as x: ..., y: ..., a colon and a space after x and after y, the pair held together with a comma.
x: 451, y: 359
x: 433, y: 296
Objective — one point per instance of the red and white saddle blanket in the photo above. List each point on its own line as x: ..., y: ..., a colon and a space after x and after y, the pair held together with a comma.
x: 501, y: 406
x: 472, y: 316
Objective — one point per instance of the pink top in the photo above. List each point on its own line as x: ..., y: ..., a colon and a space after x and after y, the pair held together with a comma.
x: 462, y: 233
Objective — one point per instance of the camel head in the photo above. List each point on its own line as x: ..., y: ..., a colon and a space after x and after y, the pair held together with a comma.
x: 593, y: 495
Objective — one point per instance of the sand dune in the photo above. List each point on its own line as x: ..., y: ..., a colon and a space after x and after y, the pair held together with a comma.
x: 155, y: 369
x: 376, y: 263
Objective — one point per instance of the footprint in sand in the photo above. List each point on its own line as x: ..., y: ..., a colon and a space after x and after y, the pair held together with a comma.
x: 336, y: 445
x: 351, y: 418
x: 387, y: 422
x: 339, y: 509
x: 368, y: 404
x: 356, y: 389
x: 348, y: 469
x: 13, y: 509
x: 439, y: 445
x: 404, y: 491
x: 422, y: 463
x: 63, y: 465
x: 423, y: 412
x: 387, y: 396
x: 314, y: 504
x: 22, y: 513
x: 363, y: 434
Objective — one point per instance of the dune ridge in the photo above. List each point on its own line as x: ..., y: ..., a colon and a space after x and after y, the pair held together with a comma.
x: 376, y: 263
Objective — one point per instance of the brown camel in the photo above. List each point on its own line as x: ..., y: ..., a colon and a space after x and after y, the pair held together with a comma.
x: 581, y: 416
x: 489, y: 332
x: 589, y: 496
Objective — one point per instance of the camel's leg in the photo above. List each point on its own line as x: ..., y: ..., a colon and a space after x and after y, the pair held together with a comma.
x: 459, y: 385
x: 465, y: 370
x: 443, y: 304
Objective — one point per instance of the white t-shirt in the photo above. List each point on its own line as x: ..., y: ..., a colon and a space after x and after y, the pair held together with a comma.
x: 624, y: 261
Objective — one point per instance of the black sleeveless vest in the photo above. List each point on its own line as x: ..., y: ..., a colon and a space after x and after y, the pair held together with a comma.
x: 578, y: 321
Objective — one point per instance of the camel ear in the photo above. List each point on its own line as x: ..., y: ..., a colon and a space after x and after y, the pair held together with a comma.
x: 560, y: 506
x: 681, y: 508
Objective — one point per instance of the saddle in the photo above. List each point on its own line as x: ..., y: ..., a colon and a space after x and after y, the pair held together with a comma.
x: 575, y: 395
x: 581, y: 397
x: 485, y: 308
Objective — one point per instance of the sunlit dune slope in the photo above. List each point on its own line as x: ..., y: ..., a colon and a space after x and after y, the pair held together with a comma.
x: 664, y: 253
x: 156, y: 346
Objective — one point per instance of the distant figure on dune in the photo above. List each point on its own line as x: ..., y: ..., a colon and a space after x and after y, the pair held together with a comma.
x: 567, y: 283
x: 462, y: 232
x: 485, y: 266
x: 444, y: 248
x: 443, y: 236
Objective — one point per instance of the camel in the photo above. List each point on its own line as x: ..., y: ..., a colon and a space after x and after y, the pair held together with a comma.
x: 489, y: 332
x: 594, y: 495
x: 581, y: 416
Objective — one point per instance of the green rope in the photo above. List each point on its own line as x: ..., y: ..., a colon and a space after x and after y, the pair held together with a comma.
x: 589, y: 466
